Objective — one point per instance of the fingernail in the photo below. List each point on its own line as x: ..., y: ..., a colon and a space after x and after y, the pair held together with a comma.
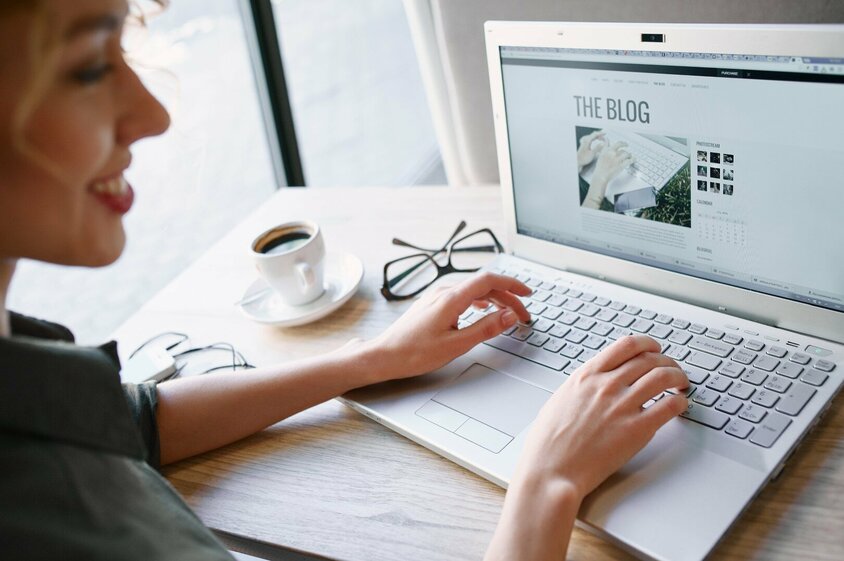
x: 509, y: 318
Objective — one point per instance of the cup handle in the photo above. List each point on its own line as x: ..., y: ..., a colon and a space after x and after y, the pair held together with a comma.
x: 305, y: 275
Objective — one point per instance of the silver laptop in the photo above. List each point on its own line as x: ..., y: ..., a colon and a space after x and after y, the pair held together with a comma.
x: 735, y: 268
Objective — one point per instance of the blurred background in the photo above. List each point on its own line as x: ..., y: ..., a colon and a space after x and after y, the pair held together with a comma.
x: 360, y: 116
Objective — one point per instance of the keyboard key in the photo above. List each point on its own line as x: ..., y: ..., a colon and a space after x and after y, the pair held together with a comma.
x: 555, y: 300
x: 695, y: 375
x: 714, y: 333
x: 719, y: 383
x: 716, y: 348
x: 536, y: 308
x: 585, y: 323
x: 624, y: 320
x: 593, y: 342
x: 755, y: 377
x: 531, y: 353
x: 540, y: 295
x: 732, y: 339
x: 795, y: 399
x: 542, y: 325
x: 559, y: 330
x: 576, y: 336
x: 601, y: 301
x: 705, y: 416
x: 647, y: 314
x: 766, y: 363
x: 778, y: 384
x: 537, y: 339
x: 680, y: 337
x: 739, y: 428
x: 574, y: 293
x: 641, y: 325
x: 633, y: 310
x: 573, y: 305
x: 547, y: 285
x: 697, y: 328
x: 618, y: 333
x: 677, y: 353
x: 789, y: 370
x: 569, y: 318
x: 769, y: 431
x: 553, y: 345
x: 617, y: 306
x: 606, y: 315
x: 660, y: 331
x: 522, y: 333
x: 741, y: 390
x: 535, y: 283
x: 776, y: 351
x: 744, y: 357
x: 752, y: 413
x: 814, y: 377
x: 754, y: 345
x: 552, y: 313
x: 586, y: 355
x: 824, y: 365
x: 662, y: 318
x: 680, y: 323
x: 586, y: 297
x: 729, y: 404
x: 589, y: 310
x: 765, y: 398
x: 602, y: 329
x: 703, y: 360
x: 731, y: 369
x: 569, y: 370
x: 571, y: 351
x: 510, y: 329
x: 706, y: 397
x: 800, y: 358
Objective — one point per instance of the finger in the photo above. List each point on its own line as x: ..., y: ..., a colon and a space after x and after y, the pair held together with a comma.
x: 619, y: 145
x: 481, y: 304
x: 655, y: 382
x: 623, y: 350
x: 640, y: 365
x: 486, y: 328
x: 508, y: 300
x: 663, y: 411
x: 480, y: 285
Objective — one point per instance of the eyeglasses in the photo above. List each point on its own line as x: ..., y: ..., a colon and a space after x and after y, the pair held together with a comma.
x: 408, y: 276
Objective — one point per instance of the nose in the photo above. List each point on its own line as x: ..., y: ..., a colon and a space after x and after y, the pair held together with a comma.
x: 143, y: 115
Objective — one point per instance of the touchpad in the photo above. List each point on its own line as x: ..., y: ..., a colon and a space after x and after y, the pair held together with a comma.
x: 485, y: 406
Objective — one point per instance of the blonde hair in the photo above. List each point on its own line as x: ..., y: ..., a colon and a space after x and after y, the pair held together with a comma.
x: 43, y: 50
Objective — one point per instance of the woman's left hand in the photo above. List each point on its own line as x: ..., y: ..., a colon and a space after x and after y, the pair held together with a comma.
x: 426, y: 337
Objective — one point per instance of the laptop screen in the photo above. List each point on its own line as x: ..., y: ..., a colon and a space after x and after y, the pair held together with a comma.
x: 727, y: 167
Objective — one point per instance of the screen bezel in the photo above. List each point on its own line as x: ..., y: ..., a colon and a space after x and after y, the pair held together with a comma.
x: 802, y: 40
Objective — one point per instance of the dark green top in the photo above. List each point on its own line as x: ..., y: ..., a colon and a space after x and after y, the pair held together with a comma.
x: 78, y: 458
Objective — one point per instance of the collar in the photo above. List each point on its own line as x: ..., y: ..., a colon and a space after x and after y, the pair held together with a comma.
x: 53, y: 389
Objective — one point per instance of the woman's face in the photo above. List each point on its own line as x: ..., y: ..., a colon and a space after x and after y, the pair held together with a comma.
x: 63, y: 196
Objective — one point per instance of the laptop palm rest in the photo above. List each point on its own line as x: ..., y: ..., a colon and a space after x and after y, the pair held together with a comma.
x: 485, y: 406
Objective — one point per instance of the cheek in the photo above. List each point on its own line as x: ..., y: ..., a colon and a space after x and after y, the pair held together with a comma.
x: 76, y: 140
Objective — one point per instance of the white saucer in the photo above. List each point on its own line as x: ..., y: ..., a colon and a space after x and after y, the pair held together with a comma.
x: 343, y: 275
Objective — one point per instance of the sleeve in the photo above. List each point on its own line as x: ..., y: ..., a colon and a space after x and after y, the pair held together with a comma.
x: 143, y: 401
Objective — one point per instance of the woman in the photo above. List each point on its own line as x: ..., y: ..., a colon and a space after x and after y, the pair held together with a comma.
x: 78, y: 452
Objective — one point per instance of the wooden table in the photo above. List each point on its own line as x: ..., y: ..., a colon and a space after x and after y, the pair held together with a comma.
x: 329, y: 482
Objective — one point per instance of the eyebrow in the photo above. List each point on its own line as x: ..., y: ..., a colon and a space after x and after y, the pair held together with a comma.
x: 103, y: 22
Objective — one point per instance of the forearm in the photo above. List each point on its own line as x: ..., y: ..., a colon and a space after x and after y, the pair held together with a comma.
x: 201, y: 413
x: 595, y: 194
x: 536, y: 522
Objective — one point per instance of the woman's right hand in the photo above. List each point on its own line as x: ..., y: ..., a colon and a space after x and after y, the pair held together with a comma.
x: 595, y: 422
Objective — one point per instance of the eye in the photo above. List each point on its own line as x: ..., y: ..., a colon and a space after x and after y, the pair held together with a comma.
x: 92, y: 74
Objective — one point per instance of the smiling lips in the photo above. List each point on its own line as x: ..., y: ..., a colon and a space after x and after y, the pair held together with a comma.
x: 115, y: 193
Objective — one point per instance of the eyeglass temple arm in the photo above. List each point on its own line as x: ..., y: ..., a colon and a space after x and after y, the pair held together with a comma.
x: 460, y: 227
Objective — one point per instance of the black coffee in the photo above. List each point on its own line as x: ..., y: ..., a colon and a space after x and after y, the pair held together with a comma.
x: 285, y: 243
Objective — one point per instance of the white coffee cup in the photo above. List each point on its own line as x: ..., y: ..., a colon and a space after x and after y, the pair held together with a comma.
x: 290, y: 257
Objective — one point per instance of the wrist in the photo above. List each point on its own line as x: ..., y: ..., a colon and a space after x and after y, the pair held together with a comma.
x: 365, y: 362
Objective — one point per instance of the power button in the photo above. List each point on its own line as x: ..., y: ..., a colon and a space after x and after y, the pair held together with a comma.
x: 817, y: 351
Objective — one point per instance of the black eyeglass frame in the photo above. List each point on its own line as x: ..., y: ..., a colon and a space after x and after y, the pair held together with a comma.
x: 429, y: 255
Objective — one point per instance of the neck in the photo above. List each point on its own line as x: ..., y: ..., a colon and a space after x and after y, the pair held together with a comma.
x: 7, y: 269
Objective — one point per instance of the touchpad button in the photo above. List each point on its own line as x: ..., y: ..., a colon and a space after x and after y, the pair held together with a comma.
x: 497, y: 400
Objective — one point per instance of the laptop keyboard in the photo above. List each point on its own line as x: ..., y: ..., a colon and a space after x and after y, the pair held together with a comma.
x: 744, y: 387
